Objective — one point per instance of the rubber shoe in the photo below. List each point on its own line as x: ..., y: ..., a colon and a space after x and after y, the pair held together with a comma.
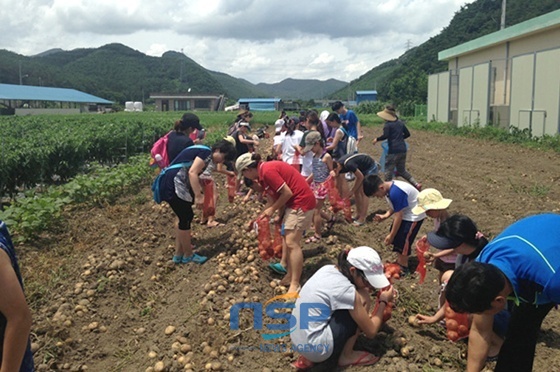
x: 278, y: 268
x: 177, y: 259
x: 196, y: 258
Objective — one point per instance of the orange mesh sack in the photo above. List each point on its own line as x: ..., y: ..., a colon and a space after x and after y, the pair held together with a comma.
x: 209, y: 208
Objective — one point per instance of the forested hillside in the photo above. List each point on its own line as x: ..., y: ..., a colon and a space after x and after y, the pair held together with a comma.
x: 406, y: 78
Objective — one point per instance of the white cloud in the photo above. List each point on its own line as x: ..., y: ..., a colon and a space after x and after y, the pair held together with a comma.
x: 258, y: 40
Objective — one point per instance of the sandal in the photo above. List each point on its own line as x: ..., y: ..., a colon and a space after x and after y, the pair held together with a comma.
x: 216, y: 224
x: 331, y: 223
x: 302, y: 364
x: 313, y: 239
x: 278, y: 268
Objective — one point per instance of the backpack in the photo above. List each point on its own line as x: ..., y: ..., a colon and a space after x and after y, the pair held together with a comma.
x: 160, y: 148
x: 351, y: 143
x: 233, y: 128
x: 156, y: 184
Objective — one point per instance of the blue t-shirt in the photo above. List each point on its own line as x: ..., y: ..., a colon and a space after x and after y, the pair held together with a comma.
x: 7, y: 246
x: 528, y: 253
x: 402, y: 196
x: 352, y: 126
x: 167, y: 186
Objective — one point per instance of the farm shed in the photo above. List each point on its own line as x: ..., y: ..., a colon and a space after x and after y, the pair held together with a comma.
x: 184, y: 102
x: 32, y: 100
x: 365, y: 95
x: 261, y: 104
x: 508, y: 78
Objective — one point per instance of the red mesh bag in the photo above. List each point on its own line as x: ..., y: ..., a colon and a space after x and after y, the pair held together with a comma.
x: 231, y: 188
x: 277, y: 241
x: 209, y: 208
x: 392, y: 271
x: 337, y: 204
x: 422, y: 247
x: 387, y: 312
x: 266, y: 250
x: 457, y: 324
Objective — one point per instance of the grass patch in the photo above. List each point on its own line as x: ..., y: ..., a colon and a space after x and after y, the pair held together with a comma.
x: 491, y: 133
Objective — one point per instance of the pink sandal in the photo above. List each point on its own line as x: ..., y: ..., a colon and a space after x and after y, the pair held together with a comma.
x: 302, y: 364
x: 313, y: 239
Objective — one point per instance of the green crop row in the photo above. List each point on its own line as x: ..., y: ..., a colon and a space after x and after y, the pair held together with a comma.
x: 30, y: 215
x: 51, y: 149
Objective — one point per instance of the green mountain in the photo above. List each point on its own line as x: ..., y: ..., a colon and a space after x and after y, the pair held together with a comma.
x: 406, y: 78
x: 302, y: 89
x: 119, y: 73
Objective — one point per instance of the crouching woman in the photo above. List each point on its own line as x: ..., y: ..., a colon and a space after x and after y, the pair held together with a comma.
x: 333, y: 309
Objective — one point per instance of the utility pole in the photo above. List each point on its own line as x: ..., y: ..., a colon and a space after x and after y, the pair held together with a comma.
x: 181, y: 74
x: 503, y: 21
x: 409, y: 44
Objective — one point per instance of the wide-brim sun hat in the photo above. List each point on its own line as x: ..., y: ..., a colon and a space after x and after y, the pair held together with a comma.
x: 442, y: 242
x: 387, y: 115
x: 430, y: 199
x: 368, y: 261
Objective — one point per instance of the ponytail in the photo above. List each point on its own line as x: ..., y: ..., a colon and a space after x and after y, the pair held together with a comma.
x: 481, y: 242
x: 344, y: 266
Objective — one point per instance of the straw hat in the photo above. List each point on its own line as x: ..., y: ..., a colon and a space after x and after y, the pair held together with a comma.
x: 388, y: 114
x: 430, y: 199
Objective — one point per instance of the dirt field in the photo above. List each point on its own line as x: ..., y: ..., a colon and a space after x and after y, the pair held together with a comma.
x: 104, y: 293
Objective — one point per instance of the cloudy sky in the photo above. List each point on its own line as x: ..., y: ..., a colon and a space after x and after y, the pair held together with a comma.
x: 257, y: 40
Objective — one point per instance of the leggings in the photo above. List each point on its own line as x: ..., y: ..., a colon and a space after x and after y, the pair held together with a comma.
x: 183, y: 210
x: 518, y: 350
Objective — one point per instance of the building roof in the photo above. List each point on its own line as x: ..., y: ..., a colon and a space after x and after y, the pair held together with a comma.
x: 366, y: 92
x: 33, y: 93
x: 181, y: 96
x: 523, y: 29
x: 259, y: 100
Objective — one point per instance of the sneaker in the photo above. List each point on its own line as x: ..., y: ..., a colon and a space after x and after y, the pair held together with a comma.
x: 196, y: 258
x: 349, y: 176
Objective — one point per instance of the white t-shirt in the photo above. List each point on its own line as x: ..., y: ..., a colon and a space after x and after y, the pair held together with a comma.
x: 403, y: 197
x: 329, y: 287
x: 307, y: 164
x: 288, y: 150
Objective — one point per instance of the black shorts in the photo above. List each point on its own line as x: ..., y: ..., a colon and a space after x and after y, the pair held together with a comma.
x: 403, y: 242
x: 443, y: 266
x: 342, y: 326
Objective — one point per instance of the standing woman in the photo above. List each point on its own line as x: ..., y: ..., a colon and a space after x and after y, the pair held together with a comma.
x: 395, y: 132
x: 181, y: 188
x: 290, y: 195
x: 179, y: 139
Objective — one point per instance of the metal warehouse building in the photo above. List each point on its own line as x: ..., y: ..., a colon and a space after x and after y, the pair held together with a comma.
x: 260, y: 104
x: 365, y: 95
x: 184, y: 102
x: 32, y: 100
x: 508, y: 78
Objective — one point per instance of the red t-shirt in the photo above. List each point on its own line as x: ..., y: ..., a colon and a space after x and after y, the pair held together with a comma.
x: 273, y: 175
